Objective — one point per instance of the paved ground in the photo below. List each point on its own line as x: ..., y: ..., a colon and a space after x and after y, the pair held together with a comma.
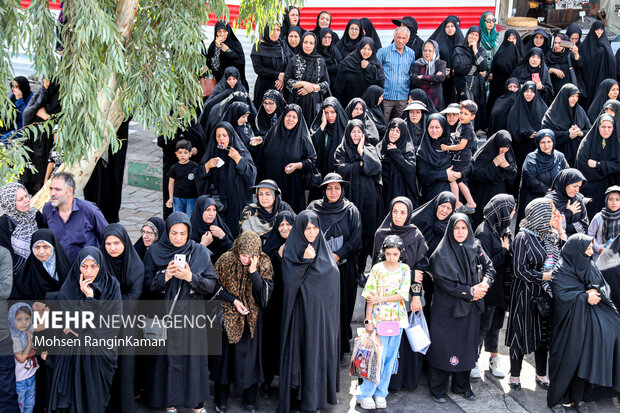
x: 493, y: 395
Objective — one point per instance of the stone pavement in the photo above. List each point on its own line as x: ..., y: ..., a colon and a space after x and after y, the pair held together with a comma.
x: 493, y: 395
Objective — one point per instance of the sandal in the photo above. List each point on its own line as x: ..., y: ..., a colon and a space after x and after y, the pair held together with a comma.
x: 171, y: 410
x: 543, y: 384
x: 514, y: 385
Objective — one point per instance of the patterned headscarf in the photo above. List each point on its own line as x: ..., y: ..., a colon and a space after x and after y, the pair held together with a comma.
x: 26, y: 221
x: 536, y: 222
x: 234, y: 277
x: 497, y: 212
x: 611, y: 219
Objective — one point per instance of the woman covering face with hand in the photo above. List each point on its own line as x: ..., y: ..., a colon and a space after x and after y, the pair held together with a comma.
x: 208, y: 228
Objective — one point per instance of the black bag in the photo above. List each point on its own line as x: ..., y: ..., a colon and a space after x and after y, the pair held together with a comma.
x: 312, y: 178
x: 543, y: 304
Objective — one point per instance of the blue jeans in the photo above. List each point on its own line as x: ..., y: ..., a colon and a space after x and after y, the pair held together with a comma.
x: 389, y: 360
x: 183, y: 205
x: 26, y: 394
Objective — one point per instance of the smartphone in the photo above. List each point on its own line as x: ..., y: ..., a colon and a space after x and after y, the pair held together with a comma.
x: 566, y: 43
x: 179, y: 260
x: 535, y: 77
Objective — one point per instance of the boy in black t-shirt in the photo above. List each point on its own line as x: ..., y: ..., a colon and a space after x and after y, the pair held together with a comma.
x: 181, y: 184
x: 461, y: 151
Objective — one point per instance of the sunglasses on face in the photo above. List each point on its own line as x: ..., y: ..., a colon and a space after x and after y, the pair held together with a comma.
x: 490, y: 20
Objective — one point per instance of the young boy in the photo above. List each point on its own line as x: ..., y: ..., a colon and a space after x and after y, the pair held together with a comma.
x: 461, y: 151
x: 181, y: 178
x: 20, y: 323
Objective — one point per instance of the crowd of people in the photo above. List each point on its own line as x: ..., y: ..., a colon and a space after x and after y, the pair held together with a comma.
x: 347, y: 150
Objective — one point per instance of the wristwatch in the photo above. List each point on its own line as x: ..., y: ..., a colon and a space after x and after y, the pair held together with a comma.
x: 366, y: 322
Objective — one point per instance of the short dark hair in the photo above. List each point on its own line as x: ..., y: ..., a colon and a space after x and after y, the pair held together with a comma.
x: 65, y: 176
x: 470, y: 105
x: 183, y: 144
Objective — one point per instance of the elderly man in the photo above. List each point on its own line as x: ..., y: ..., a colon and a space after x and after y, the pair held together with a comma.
x: 397, y: 60
x: 76, y: 223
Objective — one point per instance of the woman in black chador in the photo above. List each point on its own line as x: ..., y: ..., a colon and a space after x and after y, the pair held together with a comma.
x: 272, y: 316
x: 608, y: 89
x: 462, y: 274
x: 598, y: 158
x: 599, y: 62
x: 176, y: 379
x: 81, y: 382
x: 447, y: 36
x: 398, y: 164
x: 342, y: 228
x: 568, y: 121
x: 494, y: 171
x: 269, y: 59
x: 270, y: 110
x: 357, y: 162
x: 327, y: 131
x: 306, y: 79
x: 124, y: 264
x: 228, y: 182
x: 310, y: 319
x: 287, y: 156
x: 569, y: 202
x: 398, y: 222
x: 584, y: 361
x: 504, y: 61
x: 434, y: 166
x: 245, y: 275
x: 497, y: 118
x: 208, y: 227
x: 533, y: 68
x: 224, y: 51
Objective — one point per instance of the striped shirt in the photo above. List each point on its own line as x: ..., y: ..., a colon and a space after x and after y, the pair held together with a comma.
x: 396, y: 67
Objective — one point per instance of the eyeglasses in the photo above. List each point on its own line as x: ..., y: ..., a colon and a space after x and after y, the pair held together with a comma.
x: 354, y: 29
x: 147, y: 232
x: 490, y: 20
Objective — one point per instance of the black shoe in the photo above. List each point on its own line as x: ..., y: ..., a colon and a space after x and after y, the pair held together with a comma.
x: 439, y: 399
x: 543, y: 384
x: 581, y: 407
x: 361, y: 280
x: 469, y: 395
x: 558, y: 408
x: 264, y: 390
x: 250, y: 409
x: 515, y: 386
x: 220, y: 409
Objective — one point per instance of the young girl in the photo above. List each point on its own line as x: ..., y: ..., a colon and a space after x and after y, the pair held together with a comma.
x: 386, y: 291
x: 20, y: 322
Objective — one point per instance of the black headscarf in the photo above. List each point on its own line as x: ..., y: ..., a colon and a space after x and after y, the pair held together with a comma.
x: 430, y: 149
x: 199, y: 226
x: 572, y: 29
x: 591, y: 147
x: 611, y: 219
x: 268, y: 48
x: 487, y: 152
x: 599, y: 61
x: 226, y: 181
x: 127, y: 267
x: 416, y: 130
x: 232, y: 115
x: 317, y: 29
x: 158, y: 226
x: 509, y: 55
x: 503, y: 104
x: 371, y: 131
x: 332, y: 212
x: 297, y: 49
x: 524, y: 71
x: 457, y: 262
x: 558, y: 194
x: 538, y: 162
x: 422, y: 96
x: 375, y: 109
x: 211, y: 117
x: 265, y: 121
x: 526, y: 117
x: 392, y: 176
x: 413, y: 239
x: 34, y: 280
x: 368, y: 30
x: 447, y: 43
x: 234, y: 44
x: 346, y: 45
x: 105, y: 286
x: 352, y: 81
x: 560, y: 116
x: 286, y: 23
x: 223, y: 86
x: 546, y: 44
x: 325, y: 142
x: 599, y: 99
x: 613, y: 105
x: 425, y: 218
x: 331, y: 55
x: 274, y: 240
x: 24, y: 86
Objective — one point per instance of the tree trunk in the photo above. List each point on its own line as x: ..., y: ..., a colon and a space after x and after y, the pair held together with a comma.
x: 126, y: 12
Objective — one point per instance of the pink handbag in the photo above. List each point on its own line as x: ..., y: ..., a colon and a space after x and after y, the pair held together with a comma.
x: 388, y: 328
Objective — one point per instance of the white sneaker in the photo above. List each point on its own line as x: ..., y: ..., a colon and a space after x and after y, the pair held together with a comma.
x: 380, y: 402
x: 475, y: 372
x: 495, y: 366
x: 367, y: 403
